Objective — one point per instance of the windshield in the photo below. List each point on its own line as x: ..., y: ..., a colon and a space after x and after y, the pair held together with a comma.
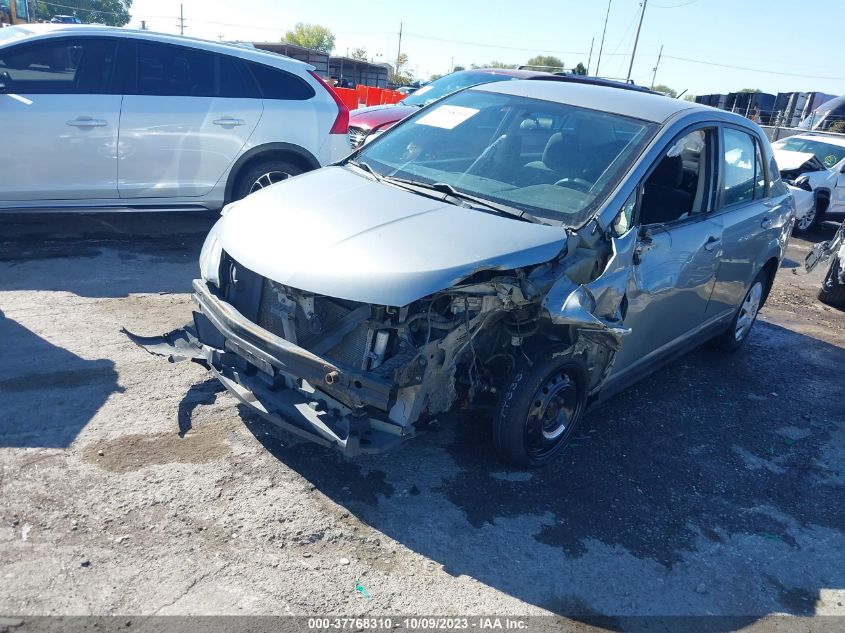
x: 551, y: 160
x: 827, y: 153
x: 449, y: 84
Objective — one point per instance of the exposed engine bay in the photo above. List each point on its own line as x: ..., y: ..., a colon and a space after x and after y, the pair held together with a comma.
x: 381, y: 368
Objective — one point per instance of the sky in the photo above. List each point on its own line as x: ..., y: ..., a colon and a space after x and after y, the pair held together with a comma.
x: 708, y: 45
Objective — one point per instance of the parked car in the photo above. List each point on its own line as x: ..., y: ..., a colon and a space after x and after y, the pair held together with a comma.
x: 364, y: 122
x: 103, y: 118
x: 813, y: 167
x: 65, y: 19
x: 543, y: 243
x: 832, y: 291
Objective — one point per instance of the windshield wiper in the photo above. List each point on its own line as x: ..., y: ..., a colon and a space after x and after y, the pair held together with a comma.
x: 366, y: 167
x: 449, y: 190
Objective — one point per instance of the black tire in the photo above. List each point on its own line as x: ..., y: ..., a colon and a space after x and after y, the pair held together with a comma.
x: 833, y: 291
x: 249, y: 178
x: 527, y: 424
x: 732, y: 339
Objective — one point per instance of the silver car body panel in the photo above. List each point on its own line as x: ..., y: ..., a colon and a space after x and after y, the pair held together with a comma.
x: 372, y: 242
x: 625, y: 301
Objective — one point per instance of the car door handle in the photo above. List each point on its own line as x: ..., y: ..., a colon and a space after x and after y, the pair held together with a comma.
x: 228, y: 121
x: 711, y: 243
x: 766, y: 223
x: 87, y: 121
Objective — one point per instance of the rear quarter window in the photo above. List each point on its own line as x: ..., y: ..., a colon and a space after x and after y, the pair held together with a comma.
x: 276, y: 83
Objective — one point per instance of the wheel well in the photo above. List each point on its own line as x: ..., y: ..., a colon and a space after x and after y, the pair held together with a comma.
x: 771, y: 268
x: 822, y: 200
x: 254, y: 158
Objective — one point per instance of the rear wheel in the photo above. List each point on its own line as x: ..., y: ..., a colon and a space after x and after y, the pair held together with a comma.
x: 263, y: 174
x: 539, y: 410
x: 833, y: 291
x: 746, y: 315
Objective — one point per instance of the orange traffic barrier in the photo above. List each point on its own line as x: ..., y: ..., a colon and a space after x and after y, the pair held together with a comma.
x: 391, y: 96
x: 361, y: 92
x: 373, y: 96
x: 349, y: 96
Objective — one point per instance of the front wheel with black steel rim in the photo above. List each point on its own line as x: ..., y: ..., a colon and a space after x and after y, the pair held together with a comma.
x: 539, y: 409
x: 264, y: 174
x: 746, y: 314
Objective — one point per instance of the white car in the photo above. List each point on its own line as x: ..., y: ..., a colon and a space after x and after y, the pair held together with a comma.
x: 813, y: 167
x: 102, y: 118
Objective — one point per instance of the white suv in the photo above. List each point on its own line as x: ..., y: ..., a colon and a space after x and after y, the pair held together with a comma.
x: 103, y: 118
x: 813, y: 167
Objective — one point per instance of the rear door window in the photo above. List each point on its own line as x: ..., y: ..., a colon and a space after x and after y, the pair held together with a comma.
x: 234, y: 79
x: 742, y: 168
x: 175, y: 71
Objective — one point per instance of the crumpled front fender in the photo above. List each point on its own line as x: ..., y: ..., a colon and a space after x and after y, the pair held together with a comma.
x: 597, y: 308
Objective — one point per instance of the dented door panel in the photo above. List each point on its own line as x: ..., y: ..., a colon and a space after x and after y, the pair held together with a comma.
x: 668, y: 289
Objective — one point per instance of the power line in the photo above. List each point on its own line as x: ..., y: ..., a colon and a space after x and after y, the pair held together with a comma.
x: 755, y: 70
x: 509, y: 48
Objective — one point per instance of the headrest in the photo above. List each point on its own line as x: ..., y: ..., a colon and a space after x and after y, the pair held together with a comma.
x: 669, y: 172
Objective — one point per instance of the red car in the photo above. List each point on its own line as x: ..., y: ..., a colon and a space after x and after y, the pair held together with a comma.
x: 365, y: 121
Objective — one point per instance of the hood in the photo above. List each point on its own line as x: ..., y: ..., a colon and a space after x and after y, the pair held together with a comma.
x: 337, y: 233
x: 377, y: 116
x: 788, y: 160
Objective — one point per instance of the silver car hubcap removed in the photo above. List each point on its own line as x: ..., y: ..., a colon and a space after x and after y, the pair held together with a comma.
x: 270, y: 178
x: 554, y: 406
x: 748, y: 311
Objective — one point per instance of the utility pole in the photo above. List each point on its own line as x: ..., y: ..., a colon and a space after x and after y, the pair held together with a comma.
x: 601, y: 46
x: 654, y: 76
x: 636, y: 41
x: 181, y: 24
x: 590, y: 58
x: 399, y: 52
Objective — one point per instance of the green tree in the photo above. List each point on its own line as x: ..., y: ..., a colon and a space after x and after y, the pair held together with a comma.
x: 665, y: 90
x: 312, y: 36
x: 493, y: 65
x: 109, y: 12
x: 580, y: 69
x: 399, y: 76
x: 751, y: 90
x: 689, y: 97
x: 359, y: 53
x: 458, y: 68
x: 435, y: 77
x: 546, y: 60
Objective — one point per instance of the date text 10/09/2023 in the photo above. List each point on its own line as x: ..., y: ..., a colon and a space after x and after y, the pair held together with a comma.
x: 481, y: 623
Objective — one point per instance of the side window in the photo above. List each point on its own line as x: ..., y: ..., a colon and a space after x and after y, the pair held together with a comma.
x: 59, y: 67
x: 679, y: 185
x: 278, y: 84
x: 174, y: 71
x: 739, y: 167
x: 235, y: 81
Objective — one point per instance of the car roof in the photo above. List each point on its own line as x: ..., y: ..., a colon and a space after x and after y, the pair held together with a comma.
x: 510, y: 72
x: 33, y: 31
x: 810, y: 136
x: 633, y: 103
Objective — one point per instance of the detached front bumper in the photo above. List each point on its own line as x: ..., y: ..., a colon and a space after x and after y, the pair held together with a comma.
x: 285, y: 384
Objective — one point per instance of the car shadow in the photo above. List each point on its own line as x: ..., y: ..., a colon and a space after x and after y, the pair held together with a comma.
x: 47, y: 394
x: 707, y: 489
x: 141, y: 252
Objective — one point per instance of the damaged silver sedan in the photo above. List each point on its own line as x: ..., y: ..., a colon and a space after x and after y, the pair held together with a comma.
x: 538, y: 244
